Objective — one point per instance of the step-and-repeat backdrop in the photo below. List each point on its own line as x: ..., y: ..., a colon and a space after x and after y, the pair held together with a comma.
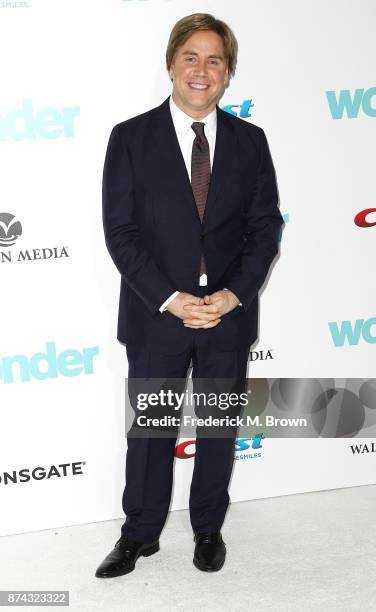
x: 70, y: 71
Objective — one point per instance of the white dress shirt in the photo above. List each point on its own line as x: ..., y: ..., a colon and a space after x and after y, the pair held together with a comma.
x: 185, y: 135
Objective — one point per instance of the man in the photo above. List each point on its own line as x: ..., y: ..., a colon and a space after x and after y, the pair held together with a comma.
x: 191, y: 220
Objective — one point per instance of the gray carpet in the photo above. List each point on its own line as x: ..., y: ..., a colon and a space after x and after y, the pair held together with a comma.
x: 313, y: 551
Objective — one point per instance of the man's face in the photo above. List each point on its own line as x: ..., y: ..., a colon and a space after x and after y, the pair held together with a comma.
x: 199, y: 72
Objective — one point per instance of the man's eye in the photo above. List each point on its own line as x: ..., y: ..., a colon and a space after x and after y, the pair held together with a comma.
x: 189, y: 59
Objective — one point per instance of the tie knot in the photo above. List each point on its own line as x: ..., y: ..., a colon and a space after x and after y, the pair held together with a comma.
x: 198, y: 128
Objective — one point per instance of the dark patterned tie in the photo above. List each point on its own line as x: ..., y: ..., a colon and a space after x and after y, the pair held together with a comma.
x: 200, y: 173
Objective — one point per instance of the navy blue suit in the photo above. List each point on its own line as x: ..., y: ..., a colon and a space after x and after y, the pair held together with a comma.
x: 155, y: 238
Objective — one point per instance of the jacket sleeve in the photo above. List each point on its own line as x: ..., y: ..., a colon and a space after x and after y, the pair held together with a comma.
x: 262, y: 232
x: 123, y: 236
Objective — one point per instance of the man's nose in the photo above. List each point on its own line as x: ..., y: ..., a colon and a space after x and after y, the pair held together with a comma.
x: 201, y: 68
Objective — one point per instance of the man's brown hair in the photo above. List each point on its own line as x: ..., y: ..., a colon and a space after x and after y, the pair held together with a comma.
x: 186, y: 26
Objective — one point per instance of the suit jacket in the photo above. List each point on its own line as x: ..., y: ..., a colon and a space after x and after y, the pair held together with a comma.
x: 155, y: 237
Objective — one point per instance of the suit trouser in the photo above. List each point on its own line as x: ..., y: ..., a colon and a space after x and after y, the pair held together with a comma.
x: 149, y: 460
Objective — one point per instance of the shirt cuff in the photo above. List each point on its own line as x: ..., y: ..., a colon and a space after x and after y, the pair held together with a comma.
x: 225, y: 289
x: 169, y: 299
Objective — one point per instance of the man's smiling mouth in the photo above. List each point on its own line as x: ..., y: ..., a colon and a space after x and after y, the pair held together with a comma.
x: 199, y: 86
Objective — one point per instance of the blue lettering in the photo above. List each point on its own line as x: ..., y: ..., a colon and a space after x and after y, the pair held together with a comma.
x: 344, y: 102
x: 244, y: 109
x: 23, y: 370
x: 48, y: 123
x: 69, y: 361
x: 49, y: 358
x: 47, y: 118
x: 366, y: 331
x: 366, y: 102
x: 48, y: 364
x: 229, y: 109
x: 19, y: 123
x: 339, y: 335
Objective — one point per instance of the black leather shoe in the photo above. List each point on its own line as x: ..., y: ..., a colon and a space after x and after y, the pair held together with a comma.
x: 122, y: 559
x: 210, y: 551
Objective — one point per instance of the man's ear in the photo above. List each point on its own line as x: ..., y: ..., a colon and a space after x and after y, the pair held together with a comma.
x: 227, y: 78
x: 171, y: 72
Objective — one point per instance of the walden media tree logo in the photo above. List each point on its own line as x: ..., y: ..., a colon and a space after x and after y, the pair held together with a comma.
x: 10, y: 229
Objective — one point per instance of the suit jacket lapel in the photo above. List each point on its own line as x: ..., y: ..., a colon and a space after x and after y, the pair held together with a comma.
x: 224, y: 163
x: 165, y: 136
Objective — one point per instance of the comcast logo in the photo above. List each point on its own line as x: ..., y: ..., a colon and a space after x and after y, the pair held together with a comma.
x: 10, y: 229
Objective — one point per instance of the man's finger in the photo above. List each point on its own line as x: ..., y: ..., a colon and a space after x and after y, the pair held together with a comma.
x: 196, y: 300
x: 201, y: 316
x: 194, y: 321
x: 191, y: 308
x: 205, y: 325
x: 200, y: 322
